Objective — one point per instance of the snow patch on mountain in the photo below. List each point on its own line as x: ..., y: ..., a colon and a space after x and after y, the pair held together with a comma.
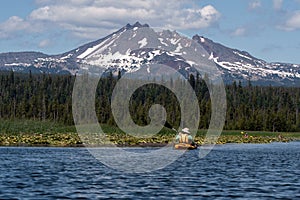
x: 174, y: 41
x: 51, y: 59
x: 241, y: 55
x: 211, y: 57
x: 178, y: 49
x: 67, y: 56
x: 17, y: 64
x: 91, y: 50
x: 100, y: 47
x: 162, y: 42
x: 143, y: 42
x: 130, y: 61
x: 258, y: 71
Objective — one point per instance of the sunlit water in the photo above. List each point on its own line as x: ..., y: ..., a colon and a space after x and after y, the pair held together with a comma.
x: 251, y: 171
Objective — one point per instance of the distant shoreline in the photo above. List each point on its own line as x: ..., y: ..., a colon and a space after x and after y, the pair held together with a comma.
x: 27, y: 133
x: 141, y: 145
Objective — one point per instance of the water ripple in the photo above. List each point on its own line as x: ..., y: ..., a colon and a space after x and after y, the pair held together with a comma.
x: 230, y: 171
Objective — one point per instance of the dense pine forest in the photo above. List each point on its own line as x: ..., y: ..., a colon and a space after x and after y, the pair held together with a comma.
x: 49, y: 98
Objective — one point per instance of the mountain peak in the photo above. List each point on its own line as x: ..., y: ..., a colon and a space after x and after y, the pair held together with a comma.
x: 136, y: 25
x: 200, y: 38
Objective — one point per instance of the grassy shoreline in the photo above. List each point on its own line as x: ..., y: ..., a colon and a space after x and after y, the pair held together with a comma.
x: 73, y: 140
x: 39, y: 134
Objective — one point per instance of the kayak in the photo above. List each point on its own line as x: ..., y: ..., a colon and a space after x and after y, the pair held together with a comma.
x: 184, y: 146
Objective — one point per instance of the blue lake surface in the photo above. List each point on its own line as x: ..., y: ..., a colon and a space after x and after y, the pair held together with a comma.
x: 234, y: 171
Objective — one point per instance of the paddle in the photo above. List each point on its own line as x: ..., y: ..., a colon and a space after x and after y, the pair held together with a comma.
x: 168, y: 125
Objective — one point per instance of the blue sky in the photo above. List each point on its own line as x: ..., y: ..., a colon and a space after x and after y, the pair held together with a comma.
x: 268, y: 29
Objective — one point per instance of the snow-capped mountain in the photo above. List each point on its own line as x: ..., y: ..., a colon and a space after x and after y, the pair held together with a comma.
x: 135, y: 46
x: 240, y: 65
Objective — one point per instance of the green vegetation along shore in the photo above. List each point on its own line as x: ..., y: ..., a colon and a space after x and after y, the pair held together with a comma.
x: 37, y: 133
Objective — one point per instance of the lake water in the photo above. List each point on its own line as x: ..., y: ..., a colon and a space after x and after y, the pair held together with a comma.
x: 241, y: 171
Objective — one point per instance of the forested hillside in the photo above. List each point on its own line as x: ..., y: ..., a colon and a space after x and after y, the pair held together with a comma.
x: 49, y: 97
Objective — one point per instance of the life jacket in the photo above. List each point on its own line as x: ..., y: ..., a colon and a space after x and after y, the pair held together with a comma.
x: 184, y: 138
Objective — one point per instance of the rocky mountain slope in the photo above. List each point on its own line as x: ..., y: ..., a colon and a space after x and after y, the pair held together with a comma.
x: 136, y: 46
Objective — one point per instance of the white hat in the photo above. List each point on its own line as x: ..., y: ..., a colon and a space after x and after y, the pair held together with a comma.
x: 186, y: 130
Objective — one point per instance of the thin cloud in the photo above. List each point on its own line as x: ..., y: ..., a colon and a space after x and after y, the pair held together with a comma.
x: 15, y: 26
x: 277, y: 4
x: 239, y: 32
x: 14, y: 23
x: 292, y: 23
x: 254, y: 5
x: 44, y: 43
x: 271, y: 47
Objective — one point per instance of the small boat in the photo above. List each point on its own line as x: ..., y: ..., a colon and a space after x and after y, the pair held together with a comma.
x: 184, y: 146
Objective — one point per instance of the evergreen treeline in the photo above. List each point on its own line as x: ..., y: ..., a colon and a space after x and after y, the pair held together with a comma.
x: 49, y: 97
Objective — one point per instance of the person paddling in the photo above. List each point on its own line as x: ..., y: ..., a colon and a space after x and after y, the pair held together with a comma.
x: 185, y: 137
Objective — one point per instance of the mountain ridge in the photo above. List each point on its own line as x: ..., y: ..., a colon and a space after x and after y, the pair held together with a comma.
x: 234, y: 64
